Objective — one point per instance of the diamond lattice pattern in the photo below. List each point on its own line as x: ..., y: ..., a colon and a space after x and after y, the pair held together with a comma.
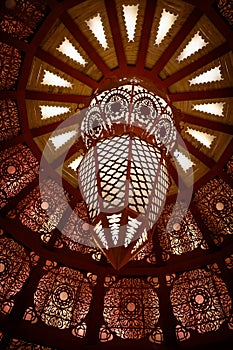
x: 144, y: 167
x: 113, y: 161
x: 159, y: 195
x: 115, y: 157
x: 88, y: 183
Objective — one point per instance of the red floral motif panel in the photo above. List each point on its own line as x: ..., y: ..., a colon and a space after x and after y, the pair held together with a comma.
x: 76, y: 232
x: 200, y: 301
x: 178, y: 231
x: 146, y: 253
x: 225, y: 7
x: 214, y: 202
x: 229, y: 262
x: 18, y: 167
x: 131, y: 307
x: 9, y: 120
x: 16, y: 344
x: 63, y: 297
x: 14, y: 271
x: 22, y: 20
x: 42, y: 214
x: 230, y: 167
x: 10, y: 59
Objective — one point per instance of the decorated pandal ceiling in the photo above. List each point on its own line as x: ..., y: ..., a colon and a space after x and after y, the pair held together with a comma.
x: 57, y: 290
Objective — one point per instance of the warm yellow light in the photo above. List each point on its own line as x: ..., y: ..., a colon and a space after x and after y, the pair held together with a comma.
x: 96, y: 26
x: 185, y: 162
x: 130, y: 16
x: 54, y: 80
x: 52, y: 111
x: 211, y: 108
x: 66, y: 48
x: 204, y: 138
x: 166, y: 22
x: 211, y: 75
x: 195, y: 44
x: 75, y: 163
x: 59, y: 140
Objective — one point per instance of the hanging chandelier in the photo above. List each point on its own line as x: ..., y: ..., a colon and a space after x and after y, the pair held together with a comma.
x: 123, y: 177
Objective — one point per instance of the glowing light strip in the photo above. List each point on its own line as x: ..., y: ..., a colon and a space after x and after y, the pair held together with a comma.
x: 59, y: 140
x: 185, y: 162
x: 204, y: 138
x: 68, y: 49
x: 96, y: 26
x: 195, y: 44
x: 52, y: 111
x: 130, y: 16
x: 166, y: 22
x: 211, y: 75
x: 54, y: 80
x: 211, y: 108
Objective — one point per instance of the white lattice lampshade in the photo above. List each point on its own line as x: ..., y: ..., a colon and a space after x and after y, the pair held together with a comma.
x: 123, y: 176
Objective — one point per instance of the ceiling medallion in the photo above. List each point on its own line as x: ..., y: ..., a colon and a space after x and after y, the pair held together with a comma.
x: 123, y: 177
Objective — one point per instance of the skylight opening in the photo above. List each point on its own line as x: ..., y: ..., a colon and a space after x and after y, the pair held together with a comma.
x: 130, y: 17
x: 211, y: 108
x: 95, y: 24
x: 54, y: 80
x: 59, y: 140
x: 194, y: 45
x: 52, y: 111
x: 75, y: 163
x: 202, y: 137
x: 185, y: 162
x: 213, y: 74
x: 68, y: 49
x: 167, y: 20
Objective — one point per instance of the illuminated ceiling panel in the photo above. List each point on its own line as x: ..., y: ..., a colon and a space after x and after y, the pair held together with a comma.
x: 194, y: 45
x: 75, y: 163
x: 203, y: 137
x: 166, y: 22
x: 52, y: 111
x: 211, y: 108
x: 185, y: 162
x: 54, y: 80
x: 68, y: 49
x: 59, y: 140
x: 130, y: 13
x: 211, y: 75
x: 95, y: 24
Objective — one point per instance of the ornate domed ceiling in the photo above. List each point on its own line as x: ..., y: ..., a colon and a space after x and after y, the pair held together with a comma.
x: 56, y: 291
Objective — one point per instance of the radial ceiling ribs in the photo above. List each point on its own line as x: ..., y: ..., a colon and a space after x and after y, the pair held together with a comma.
x: 39, y: 36
x: 199, y: 155
x: 83, y: 41
x: 216, y: 169
x: 55, y: 62
x: 178, y: 39
x: 211, y: 13
x: 201, y: 62
x: 47, y: 96
x: 209, y: 124
x: 145, y: 34
x: 201, y: 95
x: 116, y: 33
